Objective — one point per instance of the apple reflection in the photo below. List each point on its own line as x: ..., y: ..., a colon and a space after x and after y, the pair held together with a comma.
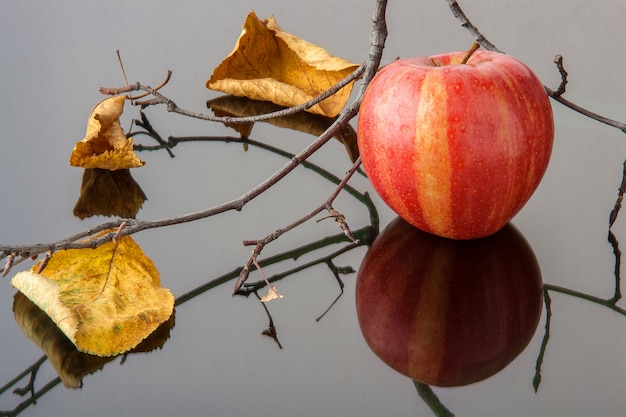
x: 445, y: 312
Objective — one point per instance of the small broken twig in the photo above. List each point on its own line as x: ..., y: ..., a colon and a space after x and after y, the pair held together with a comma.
x: 341, y: 220
x: 558, y: 60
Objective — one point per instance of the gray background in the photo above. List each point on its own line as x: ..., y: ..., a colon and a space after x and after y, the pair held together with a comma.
x: 56, y: 54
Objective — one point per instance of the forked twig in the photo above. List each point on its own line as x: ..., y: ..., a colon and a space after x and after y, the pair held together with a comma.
x: 174, y: 108
x: 261, y: 243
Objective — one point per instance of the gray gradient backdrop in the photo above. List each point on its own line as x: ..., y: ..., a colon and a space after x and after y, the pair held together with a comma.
x: 56, y: 54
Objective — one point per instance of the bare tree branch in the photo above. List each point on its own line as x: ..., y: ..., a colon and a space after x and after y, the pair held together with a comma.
x: 174, y: 108
x: 378, y: 36
x: 461, y: 17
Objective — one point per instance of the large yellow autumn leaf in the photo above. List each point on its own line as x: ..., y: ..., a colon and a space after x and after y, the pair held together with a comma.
x: 105, y: 300
x: 105, y: 145
x: 272, y: 65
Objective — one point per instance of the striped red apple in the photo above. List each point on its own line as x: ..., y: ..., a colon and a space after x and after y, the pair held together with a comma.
x: 448, y: 312
x: 456, y: 148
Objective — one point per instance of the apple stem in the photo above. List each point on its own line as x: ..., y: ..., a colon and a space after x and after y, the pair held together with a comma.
x: 470, y: 52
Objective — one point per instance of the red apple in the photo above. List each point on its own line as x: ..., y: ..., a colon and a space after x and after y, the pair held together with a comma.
x: 456, y: 149
x: 448, y: 312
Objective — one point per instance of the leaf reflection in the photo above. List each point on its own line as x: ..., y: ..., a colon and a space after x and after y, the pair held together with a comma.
x: 302, y: 122
x: 109, y: 193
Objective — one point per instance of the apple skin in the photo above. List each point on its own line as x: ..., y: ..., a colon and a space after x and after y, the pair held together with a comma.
x: 456, y: 149
x: 448, y: 312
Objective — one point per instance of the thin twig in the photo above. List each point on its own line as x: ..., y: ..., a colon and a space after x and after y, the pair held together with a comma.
x: 174, y: 108
x: 157, y: 88
x: 261, y: 243
x: 461, y: 17
x: 340, y: 219
x: 150, y: 131
x: 271, y: 330
x: 558, y: 60
x: 118, y: 234
x: 336, y: 271
x: 134, y: 87
x: 378, y: 37
x: 252, y: 286
x: 618, y: 125
x: 44, y: 262
x: 544, y: 342
x: 620, y: 197
x: 430, y: 398
x: 119, y: 59
x: 617, y: 270
x: 608, y: 303
x: 558, y: 96
x: 9, y: 264
x: 70, y: 242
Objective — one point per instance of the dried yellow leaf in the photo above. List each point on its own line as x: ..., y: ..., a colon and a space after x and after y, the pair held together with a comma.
x: 105, y: 300
x: 105, y: 145
x: 272, y: 65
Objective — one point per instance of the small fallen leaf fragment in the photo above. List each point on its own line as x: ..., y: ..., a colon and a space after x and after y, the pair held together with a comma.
x: 105, y: 300
x: 105, y: 145
x: 272, y: 65
x: 109, y: 193
x: 272, y: 294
